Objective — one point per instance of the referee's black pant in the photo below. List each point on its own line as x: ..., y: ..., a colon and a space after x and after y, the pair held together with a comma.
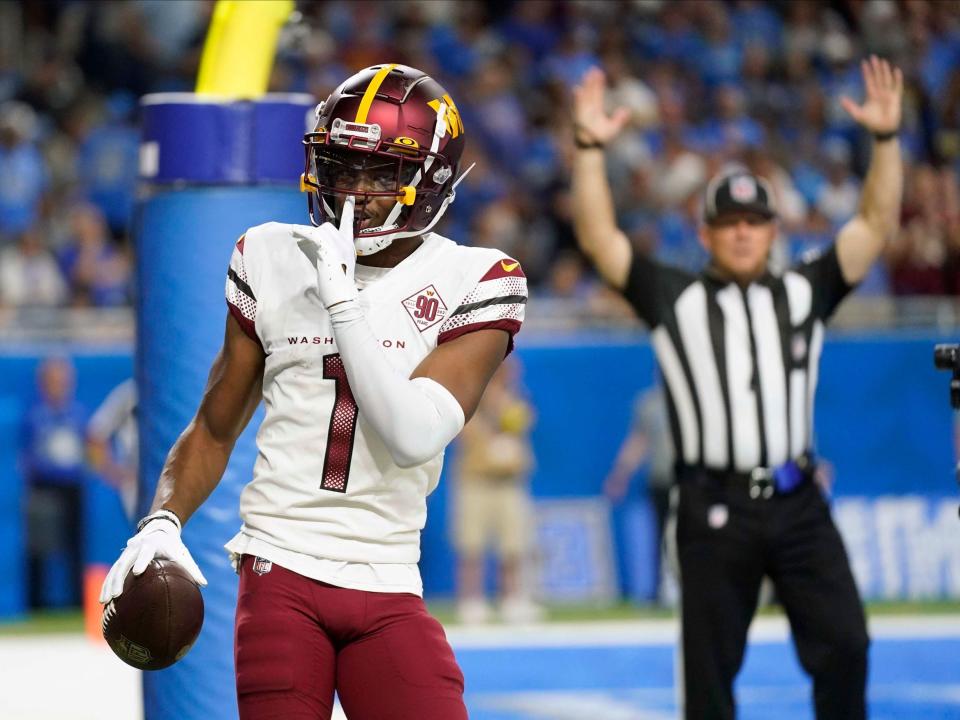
x: 726, y: 543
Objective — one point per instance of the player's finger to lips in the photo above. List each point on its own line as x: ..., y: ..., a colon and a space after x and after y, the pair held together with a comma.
x: 346, y: 215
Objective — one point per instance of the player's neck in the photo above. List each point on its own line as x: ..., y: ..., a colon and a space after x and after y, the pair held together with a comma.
x: 394, y: 254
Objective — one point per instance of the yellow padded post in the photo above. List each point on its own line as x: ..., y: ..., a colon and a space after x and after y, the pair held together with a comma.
x: 240, y: 46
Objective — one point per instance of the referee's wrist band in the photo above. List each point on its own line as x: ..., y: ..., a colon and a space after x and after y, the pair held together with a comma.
x: 588, y: 144
x: 883, y: 137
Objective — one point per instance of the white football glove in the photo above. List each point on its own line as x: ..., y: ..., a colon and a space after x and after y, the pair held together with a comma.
x: 158, y: 536
x: 331, y: 248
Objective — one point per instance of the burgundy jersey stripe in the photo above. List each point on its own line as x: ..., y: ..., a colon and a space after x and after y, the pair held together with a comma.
x: 511, y: 326
x: 504, y: 268
x: 245, y: 324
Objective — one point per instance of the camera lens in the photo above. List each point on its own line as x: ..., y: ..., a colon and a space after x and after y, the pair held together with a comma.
x: 945, y: 356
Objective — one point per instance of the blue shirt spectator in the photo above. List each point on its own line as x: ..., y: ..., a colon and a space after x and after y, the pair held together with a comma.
x: 55, y: 427
x: 938, y: 62
x: 757, y: 22
x: 98, y: 272
x: 22, y: 170
x: 107, y: 165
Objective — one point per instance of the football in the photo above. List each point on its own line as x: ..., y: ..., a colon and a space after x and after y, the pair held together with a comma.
x: 156, y: 619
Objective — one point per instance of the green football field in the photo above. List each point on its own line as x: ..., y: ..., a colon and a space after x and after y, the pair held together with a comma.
x: 72, y: 620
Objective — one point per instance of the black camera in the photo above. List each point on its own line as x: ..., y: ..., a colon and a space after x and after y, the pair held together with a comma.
x: 947, y: 357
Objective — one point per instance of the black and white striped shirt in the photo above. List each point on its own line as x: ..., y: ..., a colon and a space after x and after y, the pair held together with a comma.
x: 740, y: 364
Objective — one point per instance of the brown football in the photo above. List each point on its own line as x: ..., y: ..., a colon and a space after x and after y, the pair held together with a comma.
x: 156, y: 619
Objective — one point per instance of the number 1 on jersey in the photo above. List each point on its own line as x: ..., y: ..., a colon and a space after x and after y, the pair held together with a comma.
x: 343, y: 427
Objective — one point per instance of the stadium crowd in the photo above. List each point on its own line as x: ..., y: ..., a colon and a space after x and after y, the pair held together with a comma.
x: 708, y: 83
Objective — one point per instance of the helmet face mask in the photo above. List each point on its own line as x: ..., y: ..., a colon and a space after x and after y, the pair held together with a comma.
x: 387, y: 133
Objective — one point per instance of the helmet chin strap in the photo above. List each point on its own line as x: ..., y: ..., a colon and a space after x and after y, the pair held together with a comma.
x: 367, y: 245
x: 371, y: 241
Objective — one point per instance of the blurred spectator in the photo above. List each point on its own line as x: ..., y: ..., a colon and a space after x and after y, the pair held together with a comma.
x: 492, y: 501
x: 23, y: 175
x: 731, y: 130
x: 493, y: 111
x: 108, y: 162
x: 113, y: 442
x: 575, y: 292
x: 677, y: 231
x: 29, y: 276
x: 757, y: 24
x: 648, y: 442
x: 840, y: 194
x: 679, y: 171
x: 791, y: 207
x: 920, y: 258
x: 721, y: 58
x: 98, y: 272
x: 706, y: 82
x: 53, y: 459
x: 628, y: 91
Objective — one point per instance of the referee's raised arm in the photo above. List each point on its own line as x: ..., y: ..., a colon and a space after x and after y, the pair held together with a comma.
x: 862, y: 239
x: 594, y: 220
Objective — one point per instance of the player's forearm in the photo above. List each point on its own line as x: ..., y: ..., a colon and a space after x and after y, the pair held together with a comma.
x: 416, y: 419
x: 192, y: 470
x: 594, y: 219
x: 883, y: 190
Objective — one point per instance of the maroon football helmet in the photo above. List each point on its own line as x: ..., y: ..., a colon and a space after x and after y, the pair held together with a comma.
x: 399, y: 130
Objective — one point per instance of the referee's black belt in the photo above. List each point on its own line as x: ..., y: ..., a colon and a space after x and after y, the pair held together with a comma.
x: 762, y: 482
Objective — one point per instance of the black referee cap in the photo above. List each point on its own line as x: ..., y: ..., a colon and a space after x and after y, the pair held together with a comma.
x: 738, y: 192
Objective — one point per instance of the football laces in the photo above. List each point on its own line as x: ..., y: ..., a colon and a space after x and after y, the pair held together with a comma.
x: 109, y: 611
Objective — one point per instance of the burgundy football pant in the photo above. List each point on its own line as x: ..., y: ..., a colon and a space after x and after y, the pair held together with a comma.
x: 297, y: 639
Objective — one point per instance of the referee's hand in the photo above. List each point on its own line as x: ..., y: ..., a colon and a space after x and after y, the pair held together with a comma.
x: 880, y: 111
x: 591, y: 123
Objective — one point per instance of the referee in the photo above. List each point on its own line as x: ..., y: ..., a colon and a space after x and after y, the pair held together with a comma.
x: 739, y: 349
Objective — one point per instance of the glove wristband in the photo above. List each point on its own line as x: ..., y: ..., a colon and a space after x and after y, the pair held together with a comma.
x: 161, y: 514
x: 345, y: 312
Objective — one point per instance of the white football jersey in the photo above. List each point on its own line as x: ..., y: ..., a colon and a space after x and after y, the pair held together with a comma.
x: 324, y: 485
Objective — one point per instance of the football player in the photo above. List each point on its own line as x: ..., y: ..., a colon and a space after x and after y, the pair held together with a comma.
x: 370, y: 340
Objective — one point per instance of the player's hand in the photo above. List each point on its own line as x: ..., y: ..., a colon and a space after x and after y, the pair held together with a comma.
x: 881, y: 108
x: 332, y: 249
x: 159, y: 537
x: 591, y: 123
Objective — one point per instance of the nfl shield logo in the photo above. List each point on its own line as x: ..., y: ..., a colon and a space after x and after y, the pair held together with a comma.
x: 261, y: 566
x: 743, y: 189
